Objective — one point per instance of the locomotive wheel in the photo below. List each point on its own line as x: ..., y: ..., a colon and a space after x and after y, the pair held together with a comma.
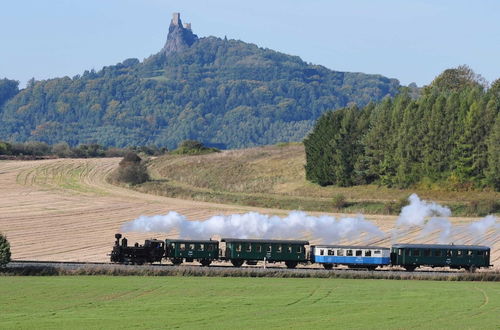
x: 371, y: 268
x: 328, y: 266
x: 410, y: 268
x: 291, y: 264
x: 205, y: 262
x: 237, y: 263
x: 176, y: 261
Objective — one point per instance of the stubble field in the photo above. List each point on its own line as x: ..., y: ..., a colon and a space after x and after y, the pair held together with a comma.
x: 64, y: 210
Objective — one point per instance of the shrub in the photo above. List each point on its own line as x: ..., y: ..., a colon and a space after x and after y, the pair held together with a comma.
x: 132, y: 170
x: 339, y: 201
x: 193, y: 147
x: 4, y: 251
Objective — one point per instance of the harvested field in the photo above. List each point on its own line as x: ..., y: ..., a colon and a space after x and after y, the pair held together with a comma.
x: 63, y: 209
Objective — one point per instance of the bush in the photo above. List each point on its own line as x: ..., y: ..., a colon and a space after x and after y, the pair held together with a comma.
x: 339, y: 201
x: 132, y: 170
x: 192, y: 147
x: 4, y: 251
x: 394, y: 207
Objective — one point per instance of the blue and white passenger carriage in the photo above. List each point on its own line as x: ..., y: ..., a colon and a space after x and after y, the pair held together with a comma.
x: 352, y: 256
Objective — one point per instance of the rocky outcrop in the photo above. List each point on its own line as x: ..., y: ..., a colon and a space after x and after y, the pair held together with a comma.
x: 179, y: 37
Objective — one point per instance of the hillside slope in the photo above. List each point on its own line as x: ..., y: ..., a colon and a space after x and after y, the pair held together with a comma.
x: 274, y: 176
x: 225, y: 93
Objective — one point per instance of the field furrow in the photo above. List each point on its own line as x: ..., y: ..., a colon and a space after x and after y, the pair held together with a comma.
x: 63, y: 209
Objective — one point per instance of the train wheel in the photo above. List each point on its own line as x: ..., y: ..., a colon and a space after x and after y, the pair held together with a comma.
x: 328, y: 266
x: 205, y: 262
x: 410, y: 268
x: 176, y: 261
x: 471, y: 269
x: 371, y: 268
x: 291, y: 264
x: 237, y: 263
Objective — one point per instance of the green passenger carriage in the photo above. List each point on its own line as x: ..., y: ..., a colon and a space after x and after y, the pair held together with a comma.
x: 411, y: 256
x: 204, y: 251
x: 251, y: 251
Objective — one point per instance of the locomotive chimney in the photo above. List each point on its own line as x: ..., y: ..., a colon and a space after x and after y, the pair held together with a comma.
x: 118, y: 236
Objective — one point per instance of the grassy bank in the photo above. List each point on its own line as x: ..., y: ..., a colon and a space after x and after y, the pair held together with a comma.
x: 190, y: 302
x: 274, y: 177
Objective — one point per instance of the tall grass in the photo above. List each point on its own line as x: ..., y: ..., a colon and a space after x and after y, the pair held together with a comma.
x: 122, y: 270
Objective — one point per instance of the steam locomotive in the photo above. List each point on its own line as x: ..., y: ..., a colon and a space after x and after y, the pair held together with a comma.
x: 294, y: 252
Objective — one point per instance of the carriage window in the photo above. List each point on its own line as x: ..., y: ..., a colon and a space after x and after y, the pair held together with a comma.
x: 359, y: 253
x: 469, y: 252
x: 340, y: 252
x: 459, y: 253
x: 480, y: 253
x: 321, y: 252
x: 330, y: 253
x: 191, y: 246
x: 172, y: 245
x: 299, y: 249
x: 368, y: 253
x: 427, y: 253
x: 269, y: 248
x: 486, y: 253
x: 399, y: 252
x: 407, y: 252
x: 379, y: 252
x: 280, y: 248
x: 448, y: 253
x: 416, y: 253
x: 437, y: 253
x: 258, y: 248
x: 249, y: 247
x: 349, y: 253
x: 183, y: 246
x: 238, y: 248
x: 210, y: 247
x: 289, y: 249
x: 201, y: 247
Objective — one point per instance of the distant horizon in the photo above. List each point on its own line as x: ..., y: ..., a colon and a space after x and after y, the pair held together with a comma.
x: 411, y: 42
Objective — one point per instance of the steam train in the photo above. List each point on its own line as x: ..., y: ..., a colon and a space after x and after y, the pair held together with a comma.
x: 294, y: 252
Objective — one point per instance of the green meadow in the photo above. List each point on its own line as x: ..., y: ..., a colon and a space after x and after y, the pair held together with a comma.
x: 106, y: 302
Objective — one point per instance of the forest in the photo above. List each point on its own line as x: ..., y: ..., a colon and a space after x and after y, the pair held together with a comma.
x: 449, y: 137
x: 223, y: 93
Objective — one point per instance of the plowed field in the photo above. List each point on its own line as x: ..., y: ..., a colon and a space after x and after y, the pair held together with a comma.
x: 64, y: 210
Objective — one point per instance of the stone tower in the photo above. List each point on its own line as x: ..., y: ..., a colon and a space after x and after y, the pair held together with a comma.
x: 180, y: 37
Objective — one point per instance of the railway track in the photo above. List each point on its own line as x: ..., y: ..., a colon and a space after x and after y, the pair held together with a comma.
x: 226, y: 269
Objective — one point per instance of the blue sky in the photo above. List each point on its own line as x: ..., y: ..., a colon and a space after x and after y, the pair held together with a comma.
x: 412, y: 41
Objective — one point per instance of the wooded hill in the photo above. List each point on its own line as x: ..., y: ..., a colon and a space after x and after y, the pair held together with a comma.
x: 449, y: 137
x: 224, y: 93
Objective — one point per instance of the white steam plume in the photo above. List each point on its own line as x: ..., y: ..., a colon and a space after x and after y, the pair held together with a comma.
x: 432, y: 217
x: 255, y: 225
x: 418, y: 210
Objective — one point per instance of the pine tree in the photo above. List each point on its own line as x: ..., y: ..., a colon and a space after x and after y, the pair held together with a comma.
x: 493, y: 169
x: 4, y: 251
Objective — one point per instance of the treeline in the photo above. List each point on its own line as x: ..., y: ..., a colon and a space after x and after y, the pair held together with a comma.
x: 448, y: 137
x: 225, y: 93
x: 63, y: 150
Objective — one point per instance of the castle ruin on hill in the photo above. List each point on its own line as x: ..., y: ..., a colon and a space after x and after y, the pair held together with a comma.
x: 180, y: 36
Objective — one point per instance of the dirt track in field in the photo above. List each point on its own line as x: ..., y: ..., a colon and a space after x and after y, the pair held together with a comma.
x: 64, y: 210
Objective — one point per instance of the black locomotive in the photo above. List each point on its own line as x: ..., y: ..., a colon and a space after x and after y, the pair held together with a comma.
x: 152, y: 251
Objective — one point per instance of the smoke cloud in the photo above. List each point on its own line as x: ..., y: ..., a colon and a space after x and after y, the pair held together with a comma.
x: 328, y: 229
x: 418, y: 210
x: 433, y: 218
